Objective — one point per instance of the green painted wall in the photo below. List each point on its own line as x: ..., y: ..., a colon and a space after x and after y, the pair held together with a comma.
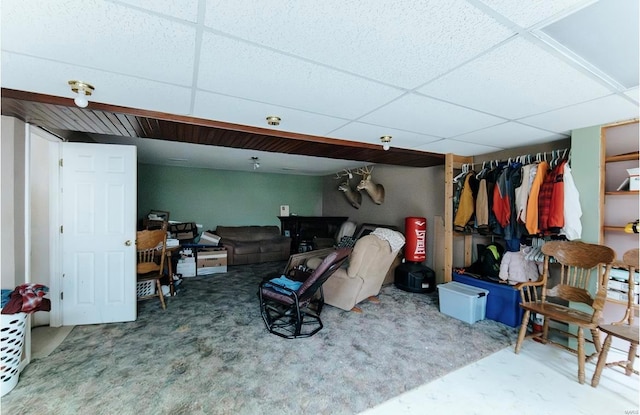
x: 585, y: 167
x: 221, y: 197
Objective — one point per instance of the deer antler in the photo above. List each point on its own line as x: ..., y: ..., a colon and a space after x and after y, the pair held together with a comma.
x: 347, y: 173
x: 364, y: 171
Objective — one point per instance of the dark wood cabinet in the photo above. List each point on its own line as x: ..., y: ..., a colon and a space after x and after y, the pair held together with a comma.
x: 303, y: 229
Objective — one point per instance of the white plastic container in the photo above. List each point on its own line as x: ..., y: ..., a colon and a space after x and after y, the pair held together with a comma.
x: 11, y: 343
x: 462, y: 301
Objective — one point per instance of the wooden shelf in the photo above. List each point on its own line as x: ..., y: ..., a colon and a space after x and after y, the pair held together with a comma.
x: 616, y: 229
x: 622, y: 193
x: 623, y: 157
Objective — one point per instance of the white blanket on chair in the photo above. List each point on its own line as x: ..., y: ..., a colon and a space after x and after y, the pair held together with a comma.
x: 395, y: 239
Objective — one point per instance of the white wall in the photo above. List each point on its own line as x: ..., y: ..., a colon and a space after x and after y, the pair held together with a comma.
x: 12, y: 186
x: 43, y: 185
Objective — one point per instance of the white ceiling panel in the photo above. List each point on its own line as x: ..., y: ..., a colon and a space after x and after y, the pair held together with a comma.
x: 516, y: 80
x: 51, y: 77
x: 183, y: 9
x: 457, y: 147
x: 404, y: 42
x: 510, y: 132
x: 599, y: 111
x: 429, y: 116
x: 97, y: 34
x: 633, y: 94
x: 528, y: 13
x: 239, y: 69
x: 239, y: 111
x: 369, y: 133
x: 445, y: 76
x: 615, y: 52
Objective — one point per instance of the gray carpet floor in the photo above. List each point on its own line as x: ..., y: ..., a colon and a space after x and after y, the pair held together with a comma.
x: 209, y: 353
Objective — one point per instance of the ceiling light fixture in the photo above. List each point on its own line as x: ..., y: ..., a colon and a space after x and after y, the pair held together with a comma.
x: 256, y: 163
x: 386, y: 140
x: 82, y: 90
x: 273, y: 120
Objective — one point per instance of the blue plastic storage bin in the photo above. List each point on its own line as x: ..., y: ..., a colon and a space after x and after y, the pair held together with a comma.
x: 503, y: 301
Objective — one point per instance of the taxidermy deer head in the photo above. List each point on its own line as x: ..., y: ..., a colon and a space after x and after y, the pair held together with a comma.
x: 374, y: 190
x: 354, y: 197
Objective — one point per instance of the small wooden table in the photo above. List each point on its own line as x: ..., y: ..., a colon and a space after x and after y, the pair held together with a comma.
x: 169, y: 253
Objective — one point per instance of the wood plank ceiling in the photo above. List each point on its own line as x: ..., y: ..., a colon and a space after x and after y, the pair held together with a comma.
x: 60, y: 115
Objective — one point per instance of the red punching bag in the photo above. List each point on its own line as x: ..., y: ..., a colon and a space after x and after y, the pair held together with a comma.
x: 415, y: 230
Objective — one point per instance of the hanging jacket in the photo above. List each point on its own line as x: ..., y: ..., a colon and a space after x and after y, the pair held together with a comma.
x: 482, y: 205
x: 532, y: 219
x: 556, y: 208
x: 522, y: 192
x: 515, y: 268
x: 501, y: 204
x: 466, y: 206
x: 572, y: 211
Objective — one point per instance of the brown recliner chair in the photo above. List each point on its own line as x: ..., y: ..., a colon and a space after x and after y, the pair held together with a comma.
x: 362, y: 278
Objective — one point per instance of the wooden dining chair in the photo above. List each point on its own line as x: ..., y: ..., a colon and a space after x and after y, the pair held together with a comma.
x: 579, y: 262
x: 623, y: 329
x: 151, y: 253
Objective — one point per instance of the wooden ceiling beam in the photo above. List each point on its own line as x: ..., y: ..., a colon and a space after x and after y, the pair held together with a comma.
x: 60, y: 113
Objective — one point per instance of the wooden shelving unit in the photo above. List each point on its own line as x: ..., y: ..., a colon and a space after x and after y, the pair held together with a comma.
x: 453, y: 164
x: 618, y: 207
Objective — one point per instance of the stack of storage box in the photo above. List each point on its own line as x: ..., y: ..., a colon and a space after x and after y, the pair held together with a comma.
x: 187, y: 263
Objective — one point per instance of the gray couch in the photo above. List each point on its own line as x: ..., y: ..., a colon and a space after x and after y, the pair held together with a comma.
x: 252, y: 244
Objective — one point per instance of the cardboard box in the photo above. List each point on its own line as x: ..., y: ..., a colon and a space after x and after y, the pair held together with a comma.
x: 183, y: 231
x: 462, y: 301
x: 209, y: 238
x: 211, y: 261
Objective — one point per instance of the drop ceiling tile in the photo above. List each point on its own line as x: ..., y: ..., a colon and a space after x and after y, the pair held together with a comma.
x: 105, y: 35
x: 509, y: 135
x: 424, y: 115
x: 369, y: 133
x: 516, y: 80
x: 402, y: 43
x: 50, y: 77
x: 183, y: 9
x: 633, y: 94
x: 247, y: 71
x: 599, y: 111
x: 239, y: 111
x: 459, y: 148
x: 528, y: 13
x: 613, y: 47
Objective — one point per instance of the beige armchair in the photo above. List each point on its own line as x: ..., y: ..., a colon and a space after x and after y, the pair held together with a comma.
x: 362, y: 278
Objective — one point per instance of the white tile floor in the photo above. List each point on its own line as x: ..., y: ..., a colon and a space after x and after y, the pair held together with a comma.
x: 542, y: 379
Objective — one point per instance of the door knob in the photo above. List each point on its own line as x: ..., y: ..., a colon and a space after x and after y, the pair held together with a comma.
x: 128, y: 243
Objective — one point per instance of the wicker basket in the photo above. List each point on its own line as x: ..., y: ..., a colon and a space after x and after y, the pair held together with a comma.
x: 11, y: 345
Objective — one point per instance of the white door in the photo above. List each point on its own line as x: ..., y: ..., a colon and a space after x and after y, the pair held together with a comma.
x: 98, y: 234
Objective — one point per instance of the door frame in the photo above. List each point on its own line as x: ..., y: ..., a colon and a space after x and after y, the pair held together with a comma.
x: 53, y: 230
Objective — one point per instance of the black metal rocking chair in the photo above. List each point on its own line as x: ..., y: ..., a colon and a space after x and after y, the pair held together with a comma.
x: 286, y: 311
